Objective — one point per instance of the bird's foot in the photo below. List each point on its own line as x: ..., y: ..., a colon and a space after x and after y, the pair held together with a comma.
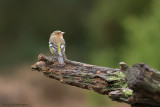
x: 61, y: 65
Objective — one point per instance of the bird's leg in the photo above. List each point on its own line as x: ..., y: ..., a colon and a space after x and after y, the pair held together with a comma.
x: 61, y: 65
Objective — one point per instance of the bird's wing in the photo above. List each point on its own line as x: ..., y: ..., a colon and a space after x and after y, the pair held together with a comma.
x: 53, y: 47
x: 63, y: 45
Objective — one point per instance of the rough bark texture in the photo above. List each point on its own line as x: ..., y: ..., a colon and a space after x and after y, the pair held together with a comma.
x: 138, y: 85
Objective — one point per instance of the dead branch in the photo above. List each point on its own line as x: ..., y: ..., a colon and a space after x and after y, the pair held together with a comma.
x: 138, y: 85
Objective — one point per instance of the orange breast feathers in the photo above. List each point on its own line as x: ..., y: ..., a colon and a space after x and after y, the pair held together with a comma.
x: 57, y: 40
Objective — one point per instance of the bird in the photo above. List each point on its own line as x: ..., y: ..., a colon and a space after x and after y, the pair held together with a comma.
x: 57, y: 46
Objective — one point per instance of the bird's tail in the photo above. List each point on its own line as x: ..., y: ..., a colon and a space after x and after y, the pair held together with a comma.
x: 60, y: 60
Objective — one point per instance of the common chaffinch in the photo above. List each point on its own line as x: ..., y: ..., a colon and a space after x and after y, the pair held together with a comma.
x: 57, y: 46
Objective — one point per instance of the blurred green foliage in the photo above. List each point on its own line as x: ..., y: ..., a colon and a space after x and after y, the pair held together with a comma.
x: 97, y: 32
x: 101, y: 32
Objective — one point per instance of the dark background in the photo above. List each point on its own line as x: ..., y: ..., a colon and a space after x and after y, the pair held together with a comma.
x: 100, y: 32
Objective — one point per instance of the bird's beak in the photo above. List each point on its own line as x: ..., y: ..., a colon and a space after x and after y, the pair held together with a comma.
x: 62, y: 33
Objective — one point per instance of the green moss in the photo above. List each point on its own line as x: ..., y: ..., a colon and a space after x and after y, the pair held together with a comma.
x: 113, y: 78
x: 117, y: 76
x: 125, y: 85
x: 121, y: 75
x: 104, y: 88
x: 86, y: 80
x: 83, y: 75
x: 158, y: 85
x: 69, y: 78
x: 117, y: 80
x: 127, y: 92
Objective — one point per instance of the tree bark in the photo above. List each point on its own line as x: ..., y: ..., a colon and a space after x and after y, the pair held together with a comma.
x: 138, y: 85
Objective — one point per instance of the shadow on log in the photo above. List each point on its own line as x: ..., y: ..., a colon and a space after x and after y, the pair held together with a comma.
x: 138, y: 85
